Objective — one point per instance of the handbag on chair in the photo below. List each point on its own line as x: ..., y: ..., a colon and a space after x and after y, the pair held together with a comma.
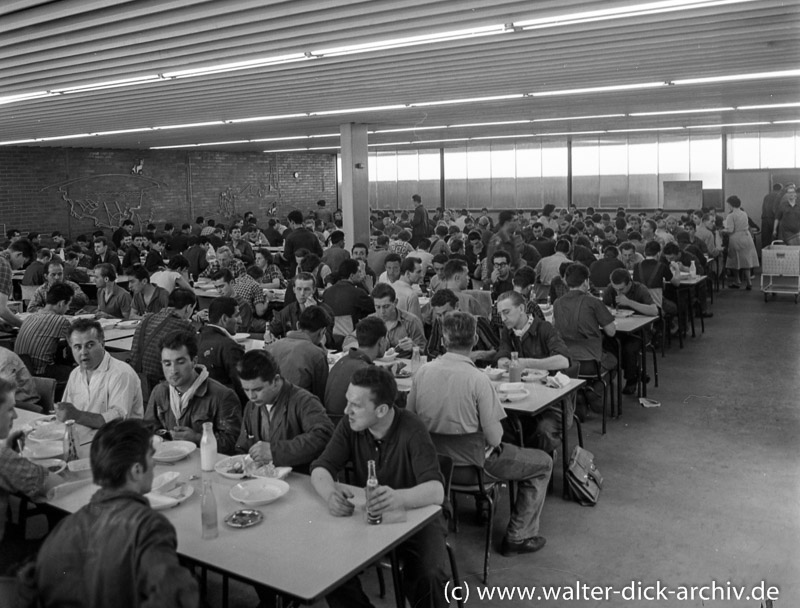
x: 583, y: 477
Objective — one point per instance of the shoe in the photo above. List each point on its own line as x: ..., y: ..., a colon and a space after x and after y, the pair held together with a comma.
x: 749, y: 288
x: 630, y: 388
x: 708, y: 315
x: 529, y: 545
x: 734, y: 286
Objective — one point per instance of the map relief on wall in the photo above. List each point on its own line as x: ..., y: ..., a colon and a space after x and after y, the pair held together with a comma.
x: 108, y: 200
x: 266, y: 194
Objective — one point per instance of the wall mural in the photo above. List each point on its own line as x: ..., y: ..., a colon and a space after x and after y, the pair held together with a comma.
x: 263, y: 193
x: 108, y: 200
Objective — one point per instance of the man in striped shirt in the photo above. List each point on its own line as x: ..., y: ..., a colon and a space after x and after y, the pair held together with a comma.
x: 54, y: 273
x: 43, y: 335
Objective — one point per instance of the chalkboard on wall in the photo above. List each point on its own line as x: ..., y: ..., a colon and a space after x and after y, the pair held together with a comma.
x: 682, y: 195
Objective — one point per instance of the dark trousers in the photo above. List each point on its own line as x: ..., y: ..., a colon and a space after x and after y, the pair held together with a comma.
x: 766, y: 231
x: 424, y: 577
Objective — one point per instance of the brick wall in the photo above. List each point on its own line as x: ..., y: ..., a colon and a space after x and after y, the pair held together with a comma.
x: 76, y: 189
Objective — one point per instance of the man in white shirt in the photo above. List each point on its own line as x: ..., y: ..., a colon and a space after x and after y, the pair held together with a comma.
x: 410, y: 276
x: 101, y: 388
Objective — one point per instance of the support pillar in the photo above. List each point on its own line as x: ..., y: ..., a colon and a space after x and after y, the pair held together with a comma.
x: 355, y: 184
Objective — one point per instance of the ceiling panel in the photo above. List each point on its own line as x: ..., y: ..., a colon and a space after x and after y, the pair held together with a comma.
x: 52, y: 45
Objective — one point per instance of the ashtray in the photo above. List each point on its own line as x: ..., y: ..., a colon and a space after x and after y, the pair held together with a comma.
x: 244, y: 518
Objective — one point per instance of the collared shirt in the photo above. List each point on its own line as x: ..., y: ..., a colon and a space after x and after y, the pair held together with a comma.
x: 39, y: 299
x: 579, y: 318
x: 158, y: 302
x: 637, y: 293
x: 6, y: 275
x: 145, y: 353
x: 17, y: 474
x: 407, y: 298
x: 540, y: 340
x: 115, y: 302
x: 406, y: 325
x: 113, y: 390
x: 39, y: 337
x: 235, y: 265
x: 453, y: 397
x: 547, y: 268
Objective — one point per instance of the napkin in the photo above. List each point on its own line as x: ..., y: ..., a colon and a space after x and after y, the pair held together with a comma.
x: 66, y: 488
x: 559, y: 380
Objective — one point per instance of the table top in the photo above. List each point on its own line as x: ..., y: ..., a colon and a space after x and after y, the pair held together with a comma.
x: 633, y: 323
x: 540, y: 397
x: 287, y: 551
x: 686, y: 280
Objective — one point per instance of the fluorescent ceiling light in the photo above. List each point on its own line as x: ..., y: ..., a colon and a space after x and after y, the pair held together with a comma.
x: 693, y: 111
x: 395, y: 43
x: 489, y: 124
x: 645, y: 129
x: 635, y: 10
x: 784, y: 122
x: 504, y: 136
x: 731, y: 124
x: 578, y: 117
x: 303, y: 149
x: 604, y: 89
x: 191, y: 125
x: 59, y: 137
x: 732, y: 77
x: 770, y: 106
x: 421, y: 141
x: 407, y: 129
x: 237, y: 65
x: 355, y: 110
x: 24, y: 97
x: 234, y: 121
x: 17, y: 141
x: 110, y: 84
x: 423, y: 104
x: 569, y: 133
x: 123, y: 131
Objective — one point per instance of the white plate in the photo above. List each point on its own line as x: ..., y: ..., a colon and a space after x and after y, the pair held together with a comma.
x: 43, y: 449
x: 515, y: 396
x: 259, y: 491
x: 223, y: 467
x: 165, y: 482
x: 89, y: 315
x: 130, y: 324
x: 49, y: 431
x: 511, y: 387
x: 621, y: 314
x: 241, y: 337
x: 495, y: 373
x: 171, y: 499
x: 79, y: 466
x: 262, y: 472
x: 107, y: 323
x: 389, y: 355
x: 53, y: 465
x: 172, y: 451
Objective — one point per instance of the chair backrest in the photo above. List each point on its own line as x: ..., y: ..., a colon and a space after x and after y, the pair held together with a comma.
x: 343, y: 325
x: 484, y: 299
x: 465, y: 450
x: 46, y: 387
x: 27, y: 293
x: 446, y: 468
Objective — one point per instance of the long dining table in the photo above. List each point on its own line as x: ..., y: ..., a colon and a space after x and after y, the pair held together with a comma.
x: 299, y: 550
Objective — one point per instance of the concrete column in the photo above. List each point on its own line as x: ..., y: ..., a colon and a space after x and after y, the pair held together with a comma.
x: 355, y: 184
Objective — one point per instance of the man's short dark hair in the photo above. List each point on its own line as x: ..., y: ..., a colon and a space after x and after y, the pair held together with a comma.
x: 672, y: 249
x: 440, y: 258
x: 369, y: 331
x: 310, y: 262
x: 611, y: 252
x: 505, y: 216
x: 258, y: 365
x: 255, y: 272
x: 24, y: 247
x: 53, y: 263
x: 337, y: 236
x: 360, y: 246
x: 59, y: 292
x: 634, y: 236
x: 138, y: 272
x: 627, y: 246
x: 409, y: 264
x: 424, y: 244
x: 169, y: 226
x: 107, y: 271
x: 181, y: 297
x: 178, y: 262
x: 416, y: 198
x: 563, y: 245
x: 224, y: 274
x: 83, y: 325
x: 101, y: 239
x: 453, y: 267
x: 118, y: 445
x: 652, y: 248
x: 620, y: 276
x: 501, y: 254
x: 392, y: 257
x: 459, y: 329
x: 296, y: 217
x: 442, y: 297
x: 576, y: 274
x: 524, y: 277
x: 348, y: 268
x: 219, y: 306
x: 312, y: 319
x: 176, y: 340
x: 384, y: 290
x: 379, y: 381
x: 516, y: 298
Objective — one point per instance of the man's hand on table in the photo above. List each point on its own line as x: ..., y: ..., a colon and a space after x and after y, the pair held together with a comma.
x: 503, y: 362
x: 405, y: 345
x: 184, y: 433
x: 66, y: 411
x: 623, y: 300
x: 261, y: 452
x: 385, y: 499
x: 339, y: 502
x: 482, y: 355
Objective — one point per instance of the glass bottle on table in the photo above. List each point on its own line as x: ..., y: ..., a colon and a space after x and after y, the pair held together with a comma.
x: 70, y: 443
x: 514, y: 368
x: 372, y: 485
x: 416, y: 360
x: 208, y: 511
x: 208, y: 448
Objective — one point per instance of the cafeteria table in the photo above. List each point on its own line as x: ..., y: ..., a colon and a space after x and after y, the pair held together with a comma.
x: 630, y: 325
x: 689, y: 284
x: 283, y: 552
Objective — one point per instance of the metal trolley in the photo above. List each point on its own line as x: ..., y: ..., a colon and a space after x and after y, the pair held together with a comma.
x: 780, y: 270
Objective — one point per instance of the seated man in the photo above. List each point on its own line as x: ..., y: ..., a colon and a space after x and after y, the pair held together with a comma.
x: 17, y: 475
x: 34, y: 273
x: 524, y: 283
x: 539, y: 346
x: 452, y: 397
x: 217, y: 349
x: 582, y: 320
x: 404, y: 286
x: 600, y: 270
x: 190, y: 397
x: 283, y: 424
x: 681, y: 261
x: 101, y: 388
x: 43, y: 336
x: 113, y: 302
x: 404, y: 330
x: 501, y: 278
x: 654, y: 273
x: 371, y: 344
x: 444, y: 301
x: 347, y: 298
x: 286, y: 318
x: 456, y: 278
x: 629, y: 256
x: 115, y: 551
x: 304, y: 360
x: 147, y: 297
x: 18, y: 254
x: 408, y: 474
x: 12, y: 368
x: 626, y: 293
x: 55, y: 274
x: 145, y: 349
x: 225, y: 284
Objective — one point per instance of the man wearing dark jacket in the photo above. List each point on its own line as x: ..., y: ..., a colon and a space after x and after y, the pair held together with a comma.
x: 299, y: 238
x: 217, y: 350
x: 419, y: 223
